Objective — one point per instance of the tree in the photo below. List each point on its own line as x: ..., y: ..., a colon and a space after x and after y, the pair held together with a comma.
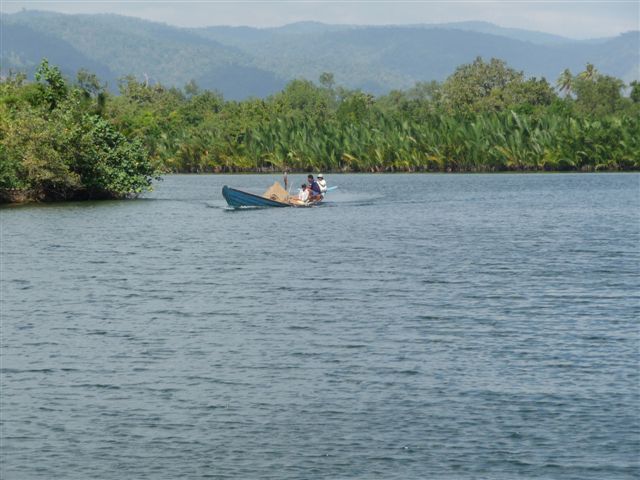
x: 327, y: 80
x: 425, y: 92
x: 635, y: 91
x: 477, y: 87
x: 565, y: 82
x: 140, y: 92
x: 58, y: 148
x: 354, y: 107
x: 302, y: 96
x: 52, y: 85
x: 590, y: 73
x: 191, y: 88
x: 597, y: 94
x: 528, y: 95
x: 108, y: 164
x: 92, y: 89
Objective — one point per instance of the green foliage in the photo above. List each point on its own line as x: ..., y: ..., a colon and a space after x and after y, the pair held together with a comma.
x: 327, y: 80
x: 191, y: 88
x: 635, y: 91
x: 302, y: 96
x: 53, y: 87
x: 565, y: 82
x: 355, y: 107
x: 80, y: 142
x: 482, y: 87
x: 597, y: 95
x: 93, y: 91
x: 479, y: 86
x: 528, y: 95
x: 107, y: 163
x: 55, y: 146
x: 515, y: 124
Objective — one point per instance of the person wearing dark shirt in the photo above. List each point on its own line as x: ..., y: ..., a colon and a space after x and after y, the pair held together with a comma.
x: 314, y: 189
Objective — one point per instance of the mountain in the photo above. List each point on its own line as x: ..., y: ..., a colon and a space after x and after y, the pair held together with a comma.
x: 385, y: 57
x: 478, y: 27
x: 514, y: 33
x: 124, y: 45
x: 22, y: 50
x: 246, y: 61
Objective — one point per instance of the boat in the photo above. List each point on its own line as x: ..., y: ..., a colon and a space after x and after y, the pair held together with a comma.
x: 275, y: 196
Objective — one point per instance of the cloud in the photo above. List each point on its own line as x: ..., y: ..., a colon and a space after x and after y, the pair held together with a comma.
x: 577, y: 19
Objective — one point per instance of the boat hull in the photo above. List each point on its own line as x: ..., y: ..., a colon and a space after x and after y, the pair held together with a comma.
x: 238, y: 198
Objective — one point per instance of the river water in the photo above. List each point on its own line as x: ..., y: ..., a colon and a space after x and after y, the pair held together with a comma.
x: 414, y: 326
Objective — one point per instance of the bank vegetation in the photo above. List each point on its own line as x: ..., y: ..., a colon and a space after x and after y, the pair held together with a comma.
x: 62, y: 139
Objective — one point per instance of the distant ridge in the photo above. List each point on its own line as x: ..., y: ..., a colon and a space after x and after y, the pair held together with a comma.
x: 22, y: 49
x: 514, y: 33
x: 247, y: 61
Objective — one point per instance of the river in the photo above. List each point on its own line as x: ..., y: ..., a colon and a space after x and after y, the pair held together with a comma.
x: 413, y: 326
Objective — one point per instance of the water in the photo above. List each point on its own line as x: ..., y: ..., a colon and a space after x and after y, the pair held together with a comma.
x: 415, y: 326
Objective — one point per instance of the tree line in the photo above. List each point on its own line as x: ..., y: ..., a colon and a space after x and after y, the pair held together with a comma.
x: 75, y: 139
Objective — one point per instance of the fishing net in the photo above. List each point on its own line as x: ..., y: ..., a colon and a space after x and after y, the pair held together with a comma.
x: 277, y: 193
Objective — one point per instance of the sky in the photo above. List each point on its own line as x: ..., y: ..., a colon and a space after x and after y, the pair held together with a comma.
x: 575, y: 19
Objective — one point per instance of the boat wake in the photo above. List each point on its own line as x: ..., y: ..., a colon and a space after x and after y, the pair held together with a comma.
x: 354, y: 199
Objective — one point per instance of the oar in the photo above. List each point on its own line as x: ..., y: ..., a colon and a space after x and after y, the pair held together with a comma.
x: 332, y: 188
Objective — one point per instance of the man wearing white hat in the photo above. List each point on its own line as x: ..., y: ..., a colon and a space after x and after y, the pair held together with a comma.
x: 322, y: 183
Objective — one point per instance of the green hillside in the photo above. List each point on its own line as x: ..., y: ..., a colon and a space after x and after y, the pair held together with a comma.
x: 243, y: 61
x: 383, y: 58
x: 148, y: 50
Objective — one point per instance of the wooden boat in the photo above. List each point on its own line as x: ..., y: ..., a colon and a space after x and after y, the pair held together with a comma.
x: 275, y: 196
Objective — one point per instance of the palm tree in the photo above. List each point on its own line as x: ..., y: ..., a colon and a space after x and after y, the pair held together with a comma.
x: 565, y: 82
x: 590, y: 72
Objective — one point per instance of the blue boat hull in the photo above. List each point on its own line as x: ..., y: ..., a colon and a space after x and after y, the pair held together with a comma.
x: 238, y: 198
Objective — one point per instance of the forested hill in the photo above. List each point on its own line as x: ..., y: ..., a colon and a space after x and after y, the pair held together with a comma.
x: 244, y: 61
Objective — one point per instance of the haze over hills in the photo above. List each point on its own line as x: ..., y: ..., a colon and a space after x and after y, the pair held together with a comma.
x: 246, y: 61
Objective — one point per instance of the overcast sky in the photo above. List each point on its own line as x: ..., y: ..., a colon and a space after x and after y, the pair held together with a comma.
x: 576, y: 19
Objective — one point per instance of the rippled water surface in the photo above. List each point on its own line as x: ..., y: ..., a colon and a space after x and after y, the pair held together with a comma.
x: 414, y: 326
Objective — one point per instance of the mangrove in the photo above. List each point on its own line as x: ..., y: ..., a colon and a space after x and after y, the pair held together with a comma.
x: 62, y: 139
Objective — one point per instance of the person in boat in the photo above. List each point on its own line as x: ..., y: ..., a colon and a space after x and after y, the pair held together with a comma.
x: 314, y: 189
x: 322, y: 183
x: 303, y: 194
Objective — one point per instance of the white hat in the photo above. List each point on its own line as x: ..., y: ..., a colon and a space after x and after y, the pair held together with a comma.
x: 320, y: 175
